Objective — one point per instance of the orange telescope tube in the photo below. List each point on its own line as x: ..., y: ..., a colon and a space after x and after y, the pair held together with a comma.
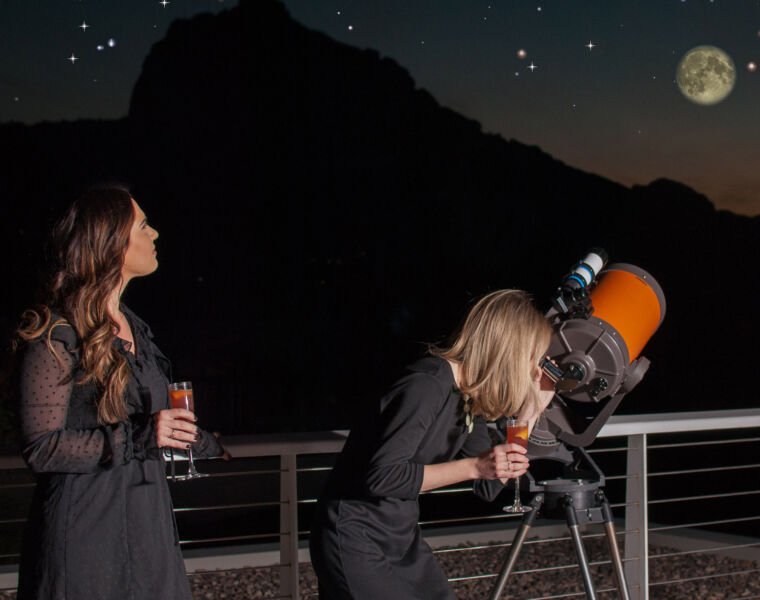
x: 630, y: 300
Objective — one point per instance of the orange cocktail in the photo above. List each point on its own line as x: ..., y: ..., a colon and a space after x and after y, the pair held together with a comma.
x: 182, y: 398
x: 518, y: 434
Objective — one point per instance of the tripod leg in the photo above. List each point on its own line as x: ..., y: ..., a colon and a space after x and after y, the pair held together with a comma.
x: 514, y: 549
x: 617, y: 563
x: 572, y: 524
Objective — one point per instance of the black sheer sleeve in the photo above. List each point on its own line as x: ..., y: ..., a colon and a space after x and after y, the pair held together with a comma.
x: 207, y: 446
x: 44, y: 390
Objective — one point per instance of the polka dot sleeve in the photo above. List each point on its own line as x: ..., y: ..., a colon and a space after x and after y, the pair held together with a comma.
x: 44, y: 394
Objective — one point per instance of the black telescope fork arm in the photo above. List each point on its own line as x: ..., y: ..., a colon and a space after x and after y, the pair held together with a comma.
x: 514, y: 549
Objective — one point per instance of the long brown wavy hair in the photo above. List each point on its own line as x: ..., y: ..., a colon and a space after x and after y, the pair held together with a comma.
x: 87, y: 247
x: 498, y: 348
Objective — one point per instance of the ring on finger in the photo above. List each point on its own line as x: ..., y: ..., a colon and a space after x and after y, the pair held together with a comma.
x: 171, y: 435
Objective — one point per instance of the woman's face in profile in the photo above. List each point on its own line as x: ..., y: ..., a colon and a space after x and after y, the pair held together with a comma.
x: 140, y: 258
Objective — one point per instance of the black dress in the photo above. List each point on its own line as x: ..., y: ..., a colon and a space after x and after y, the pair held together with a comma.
x: 365, y: 541
x: 101, y: 525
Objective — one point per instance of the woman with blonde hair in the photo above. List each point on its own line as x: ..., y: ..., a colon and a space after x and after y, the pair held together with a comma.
x: 427, y: 432
x: 94, y: 411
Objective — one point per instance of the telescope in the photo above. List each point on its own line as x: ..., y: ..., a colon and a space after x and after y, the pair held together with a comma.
x: 602, y: 317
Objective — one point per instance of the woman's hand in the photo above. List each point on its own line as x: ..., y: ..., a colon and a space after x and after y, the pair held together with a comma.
x: 504, y: 461
x: 545, y: 391
x: 545, y: 388
x: 175, y: 428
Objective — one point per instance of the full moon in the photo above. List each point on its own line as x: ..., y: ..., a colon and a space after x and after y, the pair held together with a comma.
x: 706, y: 75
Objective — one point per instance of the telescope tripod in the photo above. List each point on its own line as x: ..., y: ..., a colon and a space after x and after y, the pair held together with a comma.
x: 599, y: 512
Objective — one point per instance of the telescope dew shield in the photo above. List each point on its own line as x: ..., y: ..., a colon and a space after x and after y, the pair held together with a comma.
x: 631, y: 301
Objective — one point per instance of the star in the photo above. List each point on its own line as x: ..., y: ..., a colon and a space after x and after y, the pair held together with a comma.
x: 522, y: 53
x: 164, y: 3
x: 532, y: 67
x: 350, y: 27
x: 751, y: 67
x: 590, y: 45
x: 73, y: 58
x: 84, y: 26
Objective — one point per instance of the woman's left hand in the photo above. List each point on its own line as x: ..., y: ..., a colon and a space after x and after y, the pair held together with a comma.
x: 545, y: 388
x: 504, y: 461
x: 175, y: 428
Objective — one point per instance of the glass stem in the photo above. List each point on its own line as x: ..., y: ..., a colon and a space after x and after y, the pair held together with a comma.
x: 517, y: 491
x: 191, y: 464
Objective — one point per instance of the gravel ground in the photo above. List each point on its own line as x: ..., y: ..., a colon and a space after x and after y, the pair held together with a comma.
x: 262, y: 583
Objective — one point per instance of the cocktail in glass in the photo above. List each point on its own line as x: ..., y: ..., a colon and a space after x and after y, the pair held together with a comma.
x: 517, y: 433
x: 181, y: 396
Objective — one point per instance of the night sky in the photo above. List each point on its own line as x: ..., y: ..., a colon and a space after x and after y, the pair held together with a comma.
x: 601, y: 96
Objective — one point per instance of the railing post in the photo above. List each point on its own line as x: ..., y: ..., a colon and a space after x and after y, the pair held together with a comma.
x: 288, y: 526
x: 637, y: 518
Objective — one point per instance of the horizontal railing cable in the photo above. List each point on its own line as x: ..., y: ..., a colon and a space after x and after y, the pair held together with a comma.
x: 703, y: 523
x: 706, y: 549
x: 240, y: 473
x: 233, y: 538
x: 703, y: 577
x: 229, y: 506
x: 563, y: 567
x: 11, y: 486
x: 547, y: 540
x: 467, y: 519
x: 704, y: 497
x: 703, y: 443
x: 704, y: 470
x: 234, y: 569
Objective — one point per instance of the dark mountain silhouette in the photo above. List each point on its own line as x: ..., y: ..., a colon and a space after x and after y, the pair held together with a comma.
x: 321, y: 218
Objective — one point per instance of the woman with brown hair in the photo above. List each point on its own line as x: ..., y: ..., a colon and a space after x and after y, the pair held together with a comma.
x: 94, y: 411
x: 429, y: 431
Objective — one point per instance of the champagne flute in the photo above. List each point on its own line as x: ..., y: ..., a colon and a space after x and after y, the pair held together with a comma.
x: 181, y: 396
x: 517, y: 433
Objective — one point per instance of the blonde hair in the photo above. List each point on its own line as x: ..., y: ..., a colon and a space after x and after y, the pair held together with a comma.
x: 498, y: 348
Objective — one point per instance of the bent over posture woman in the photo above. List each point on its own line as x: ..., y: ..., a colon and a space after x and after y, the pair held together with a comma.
x: 94, y: 410
x: 365, y: 541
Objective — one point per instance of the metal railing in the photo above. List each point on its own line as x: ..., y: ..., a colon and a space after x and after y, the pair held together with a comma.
x: 642, y: 435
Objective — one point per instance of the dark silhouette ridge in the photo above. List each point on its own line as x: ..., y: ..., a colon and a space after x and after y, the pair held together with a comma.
x: 321, y: 218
